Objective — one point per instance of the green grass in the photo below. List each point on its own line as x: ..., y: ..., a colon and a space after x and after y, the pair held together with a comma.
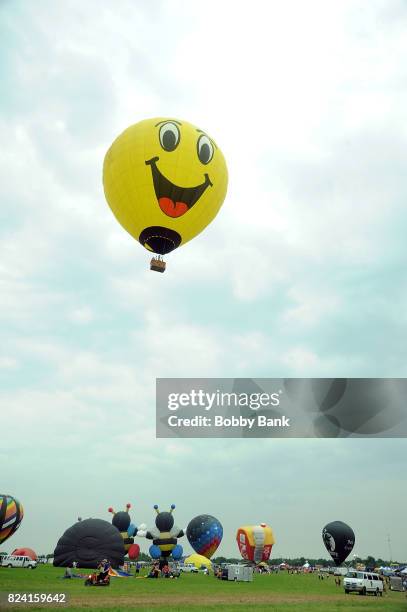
x: 196, y: 592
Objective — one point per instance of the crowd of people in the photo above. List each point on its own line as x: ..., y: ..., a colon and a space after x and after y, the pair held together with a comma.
x: 165, y: 572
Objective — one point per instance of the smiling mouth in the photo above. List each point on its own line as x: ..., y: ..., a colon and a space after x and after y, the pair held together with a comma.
x: 174, y: 201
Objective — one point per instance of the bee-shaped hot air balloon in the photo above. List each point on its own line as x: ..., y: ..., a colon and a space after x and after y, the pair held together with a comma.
x: 121, y: 520
x: 164, y: 536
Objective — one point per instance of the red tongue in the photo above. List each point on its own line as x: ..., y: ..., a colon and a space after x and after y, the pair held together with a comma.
x: 171, y: 208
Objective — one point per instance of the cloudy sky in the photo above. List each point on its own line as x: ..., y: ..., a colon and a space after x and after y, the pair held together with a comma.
x: 301, y: 274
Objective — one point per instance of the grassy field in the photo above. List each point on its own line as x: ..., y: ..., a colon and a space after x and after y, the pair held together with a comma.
x: 195, y: 592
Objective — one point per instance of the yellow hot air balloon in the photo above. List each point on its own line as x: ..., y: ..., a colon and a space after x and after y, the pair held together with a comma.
x: 199, y: 561
x: 165, y: 180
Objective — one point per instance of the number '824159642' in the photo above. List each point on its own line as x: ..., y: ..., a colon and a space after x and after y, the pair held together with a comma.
x: 32, y: 598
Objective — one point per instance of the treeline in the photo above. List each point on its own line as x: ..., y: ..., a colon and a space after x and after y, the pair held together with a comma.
x: 369, y: 561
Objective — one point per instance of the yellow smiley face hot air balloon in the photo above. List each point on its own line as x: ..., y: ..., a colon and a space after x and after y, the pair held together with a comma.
x: 165, y: 180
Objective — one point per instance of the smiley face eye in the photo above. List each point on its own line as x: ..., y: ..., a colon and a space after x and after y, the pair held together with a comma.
x: 205, y: 149
x: 169, y: 136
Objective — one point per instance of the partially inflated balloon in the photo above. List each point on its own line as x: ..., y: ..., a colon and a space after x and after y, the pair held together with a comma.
x: 25, y: 552
x: 339, y: 540
x: 255, y: 542
x: 199, y: 561
x: 88, y: 542
x: 165, y: 181
x: 11, y: 515
x: 205, y: 533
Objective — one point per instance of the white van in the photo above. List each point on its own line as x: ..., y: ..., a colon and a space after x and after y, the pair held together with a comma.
x: 18, y: 561
x: 362, y: 583
x: 188, y: 568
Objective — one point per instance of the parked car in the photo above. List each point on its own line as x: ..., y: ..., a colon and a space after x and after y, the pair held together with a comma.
x: 188, y: 568
x: 363, y: 583
x: 18, y: 561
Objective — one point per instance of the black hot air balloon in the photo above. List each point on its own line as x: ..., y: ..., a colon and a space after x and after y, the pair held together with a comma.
x: 88, y: 542
x: 339, y: 540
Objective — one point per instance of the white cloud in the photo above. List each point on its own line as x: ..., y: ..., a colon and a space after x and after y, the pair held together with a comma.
x: 8, y: 363
x: 312, y: 305
x: 82, y: 315
x: 307, y: 102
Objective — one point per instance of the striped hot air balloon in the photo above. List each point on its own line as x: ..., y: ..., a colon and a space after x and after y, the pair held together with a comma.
x: 11, y: 515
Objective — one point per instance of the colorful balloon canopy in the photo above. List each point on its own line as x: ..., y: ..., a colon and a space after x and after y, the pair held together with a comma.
x: 165, y: 180
x: 255, y: 542
x: 204, y: 533
x: 88, y: 542
x: 11, y: 515
x: 339, y: 540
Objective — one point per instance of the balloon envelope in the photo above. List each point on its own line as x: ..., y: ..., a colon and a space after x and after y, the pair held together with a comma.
x: 199, y: 561
x: 204, y: 533
x: 25, y: 552
x: 88, y: 542
x: 134, y: 551
x: 255, y: 542
x: 155, y: 551
x: 11, y: 515
x: 339, y: 540
x: 165, y: 181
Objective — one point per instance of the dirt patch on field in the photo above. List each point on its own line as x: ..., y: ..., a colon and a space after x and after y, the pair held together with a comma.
x: 201, y: 602
x: 183, y: 600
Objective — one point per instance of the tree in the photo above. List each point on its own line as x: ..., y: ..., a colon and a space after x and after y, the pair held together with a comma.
x: 219, y: 560
x: 370, y: 561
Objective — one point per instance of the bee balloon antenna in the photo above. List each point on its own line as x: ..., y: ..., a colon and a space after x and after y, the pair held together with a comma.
x: 172, y: 508
x: 156, y: 509
x: 111, y: 510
